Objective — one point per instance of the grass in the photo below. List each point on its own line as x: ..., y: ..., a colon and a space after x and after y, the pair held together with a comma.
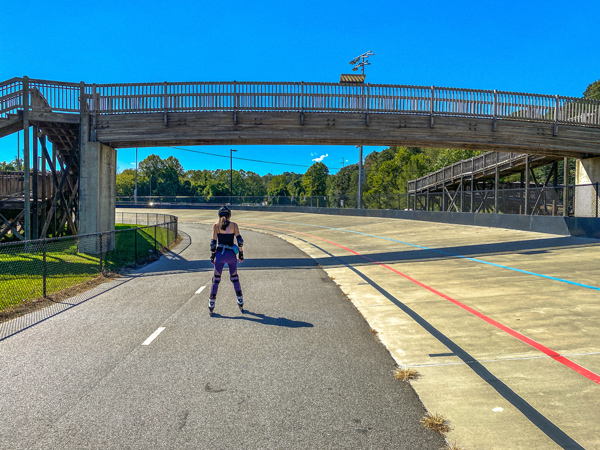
x: 436, y: 422
x: 69, y: 262
x: 406, y: 374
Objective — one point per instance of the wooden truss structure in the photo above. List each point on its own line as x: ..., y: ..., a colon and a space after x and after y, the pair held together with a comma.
x: 53, y: 184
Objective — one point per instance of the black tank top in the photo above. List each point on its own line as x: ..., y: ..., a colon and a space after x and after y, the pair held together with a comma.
x: 225, y: 239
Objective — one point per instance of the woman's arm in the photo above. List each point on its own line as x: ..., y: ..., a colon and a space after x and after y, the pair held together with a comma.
x: 236, y: 231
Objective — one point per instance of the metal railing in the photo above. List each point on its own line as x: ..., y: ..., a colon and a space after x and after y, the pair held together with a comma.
x: 295, y: 97
x: 548, y: 200
x: 484, y: 164
x: 53, y: 267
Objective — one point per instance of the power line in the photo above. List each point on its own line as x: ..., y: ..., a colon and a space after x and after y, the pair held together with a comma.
x: 244, y: 159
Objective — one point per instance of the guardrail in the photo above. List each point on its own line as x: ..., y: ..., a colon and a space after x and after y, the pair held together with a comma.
x: 233, y: 96
x: 52, y: 267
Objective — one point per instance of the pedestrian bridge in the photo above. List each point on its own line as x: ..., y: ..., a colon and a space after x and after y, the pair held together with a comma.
x: 281, y: 113
x: 86, y: 122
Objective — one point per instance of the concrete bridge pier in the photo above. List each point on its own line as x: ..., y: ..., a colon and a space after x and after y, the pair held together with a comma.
x: 587, y: 201
x: 97, y: 193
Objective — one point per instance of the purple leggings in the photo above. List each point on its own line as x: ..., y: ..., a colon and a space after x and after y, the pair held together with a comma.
x: 229, y: 258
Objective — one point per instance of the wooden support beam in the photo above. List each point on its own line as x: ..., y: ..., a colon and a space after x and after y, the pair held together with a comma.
x: 26, y: 162
x: 12, y: 226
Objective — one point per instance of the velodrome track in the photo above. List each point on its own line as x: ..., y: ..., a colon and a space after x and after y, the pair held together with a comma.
x: 502, y: 325
x: 137, y: 363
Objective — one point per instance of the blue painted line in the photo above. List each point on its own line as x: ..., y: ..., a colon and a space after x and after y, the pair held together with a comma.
x: 548, y: 277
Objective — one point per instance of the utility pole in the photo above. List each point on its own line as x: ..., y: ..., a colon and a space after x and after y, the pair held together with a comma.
x: 136, y: 171
x: 231, y: 173
x: 360, y: 171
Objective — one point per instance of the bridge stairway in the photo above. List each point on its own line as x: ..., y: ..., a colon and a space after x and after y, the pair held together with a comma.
x: 479, y: 168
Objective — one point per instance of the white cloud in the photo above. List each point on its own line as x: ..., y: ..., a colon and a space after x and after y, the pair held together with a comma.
x: 320, y: 158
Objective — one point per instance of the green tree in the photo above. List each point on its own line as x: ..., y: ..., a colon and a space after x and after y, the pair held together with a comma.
x: 14, y: 165
x: 593, y: 90
x: 314, y: 181
x: 126, y: 183
x: 278, y: 186
x: 165, y: 174
x: 255, y: 185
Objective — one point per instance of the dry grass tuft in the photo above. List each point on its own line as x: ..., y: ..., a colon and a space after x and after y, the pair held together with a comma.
x: 406, y: 373
x: 453, y: 446
x: 436, y: 422
x: 374, y: 331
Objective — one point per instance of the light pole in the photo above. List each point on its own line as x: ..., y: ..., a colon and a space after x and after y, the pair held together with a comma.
x: 231, y: 173
x: 361, y: 61
x: 360, y: 171
x: 136, y: 171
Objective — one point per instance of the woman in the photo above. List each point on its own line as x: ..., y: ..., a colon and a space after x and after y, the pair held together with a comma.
x: 223, y: 251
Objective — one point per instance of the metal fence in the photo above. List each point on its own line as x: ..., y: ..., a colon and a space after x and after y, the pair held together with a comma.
x: 580, y: 200
x: 56, y: 267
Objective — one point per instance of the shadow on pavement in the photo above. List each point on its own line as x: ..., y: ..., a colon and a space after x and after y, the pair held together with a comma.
x: 266, y: 320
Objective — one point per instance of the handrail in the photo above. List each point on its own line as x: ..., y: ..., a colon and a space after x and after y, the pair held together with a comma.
x: 234, y: 96
x: 480, y: 164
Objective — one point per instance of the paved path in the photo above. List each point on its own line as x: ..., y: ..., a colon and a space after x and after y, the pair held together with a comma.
x: 503, y: 325
x: 300, y: 369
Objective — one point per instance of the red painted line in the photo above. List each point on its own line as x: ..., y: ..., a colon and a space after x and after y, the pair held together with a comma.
x: 547, y: 351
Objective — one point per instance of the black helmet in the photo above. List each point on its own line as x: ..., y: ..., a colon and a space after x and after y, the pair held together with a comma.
x: 224, y: 211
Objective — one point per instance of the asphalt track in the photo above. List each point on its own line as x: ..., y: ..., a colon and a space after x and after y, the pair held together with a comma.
x: 137, y: 363
x: 503, y: 325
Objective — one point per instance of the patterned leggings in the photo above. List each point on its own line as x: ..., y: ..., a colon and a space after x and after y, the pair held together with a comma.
x: 229, y: 258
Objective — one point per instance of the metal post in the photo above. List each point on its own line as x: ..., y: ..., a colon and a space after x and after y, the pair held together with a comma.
x: 360, y: 171
x: 566, y: 187
x: 136, y: 173
x: 526, y: 185
x: 231, y: 173
x: 44, y: 267
x: 496, y: 183
x: 101, y: 251
x: 26, y: 162
x: 135, y: 252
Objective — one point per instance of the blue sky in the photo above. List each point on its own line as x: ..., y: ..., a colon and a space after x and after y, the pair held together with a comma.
x: 546, y: 47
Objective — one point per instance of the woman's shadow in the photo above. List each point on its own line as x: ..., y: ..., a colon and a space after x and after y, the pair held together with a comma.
x: 266, y: 320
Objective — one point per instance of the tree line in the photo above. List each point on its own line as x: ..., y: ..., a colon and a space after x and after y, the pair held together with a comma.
x: 385, y: 172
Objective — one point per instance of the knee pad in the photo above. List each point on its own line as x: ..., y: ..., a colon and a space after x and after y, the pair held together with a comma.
x: 216, y: 279
x: 234, y: 278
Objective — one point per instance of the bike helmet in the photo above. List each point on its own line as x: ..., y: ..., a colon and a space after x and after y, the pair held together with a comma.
x: 224, y: 211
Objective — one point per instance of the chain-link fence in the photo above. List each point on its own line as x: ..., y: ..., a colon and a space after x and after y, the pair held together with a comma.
x: 580, y: 200
x: 47, y: 267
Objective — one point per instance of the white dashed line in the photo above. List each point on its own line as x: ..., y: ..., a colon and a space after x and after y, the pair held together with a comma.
x: 153, y: 336
x: 200, y: 290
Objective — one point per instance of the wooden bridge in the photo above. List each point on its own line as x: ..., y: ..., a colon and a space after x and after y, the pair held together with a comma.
x: 242, y: 113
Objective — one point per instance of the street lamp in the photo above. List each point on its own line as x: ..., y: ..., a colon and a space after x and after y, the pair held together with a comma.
x: 361, y: 61
x: 231, y: 173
